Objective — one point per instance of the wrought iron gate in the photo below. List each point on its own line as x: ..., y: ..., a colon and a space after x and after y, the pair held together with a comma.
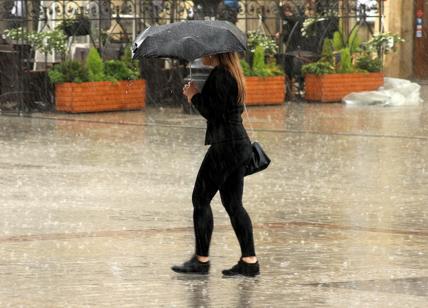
x: 299, y: 26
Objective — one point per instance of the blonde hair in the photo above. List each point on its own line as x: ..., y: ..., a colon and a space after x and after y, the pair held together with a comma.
x: 232, y: 63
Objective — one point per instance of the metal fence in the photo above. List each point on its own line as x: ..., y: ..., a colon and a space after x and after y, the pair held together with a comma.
x: 299, y: 26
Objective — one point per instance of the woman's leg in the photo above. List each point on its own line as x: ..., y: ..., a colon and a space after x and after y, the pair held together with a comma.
x: 203, y: 192
x: 231, y: 196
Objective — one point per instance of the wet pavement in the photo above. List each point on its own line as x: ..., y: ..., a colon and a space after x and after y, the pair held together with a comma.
x: 95, y: 208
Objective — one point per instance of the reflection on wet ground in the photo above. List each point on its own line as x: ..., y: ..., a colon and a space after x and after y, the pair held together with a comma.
x: 412, y: 286
x: 96, y: 207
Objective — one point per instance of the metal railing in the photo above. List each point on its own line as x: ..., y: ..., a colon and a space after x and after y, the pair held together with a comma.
x: 295, y: 24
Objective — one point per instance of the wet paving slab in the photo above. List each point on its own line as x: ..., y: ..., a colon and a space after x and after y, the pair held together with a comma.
x: 97, y: 207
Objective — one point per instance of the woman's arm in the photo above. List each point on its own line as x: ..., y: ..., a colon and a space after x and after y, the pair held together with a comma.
x: 216, y: 95
x: 195, y: 97
x: 199, y: 102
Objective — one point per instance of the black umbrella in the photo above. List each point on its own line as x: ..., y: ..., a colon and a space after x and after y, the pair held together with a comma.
x: 189, y: 40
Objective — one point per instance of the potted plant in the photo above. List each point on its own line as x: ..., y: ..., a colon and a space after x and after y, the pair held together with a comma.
x: 46, y: 42
x: 80, y: 25
x: 346, y: 66
x: 265, y: 81
x: 36, y: 82
x: 98, y: 85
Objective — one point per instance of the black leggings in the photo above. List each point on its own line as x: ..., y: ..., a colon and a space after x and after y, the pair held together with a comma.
x: 222, y: 170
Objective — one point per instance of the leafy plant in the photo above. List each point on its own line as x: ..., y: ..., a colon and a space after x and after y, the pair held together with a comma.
x: 307, y: 29
x: 345, y: 63
x: 259, y: 67
x: 274, y: 69
x: 328, y: 51
x: 262, y: 48
x: 246, y: 68
x: 347, y: 54
x: 68, y: 71
x: 118, y: 70
x: 45, y: 42
x: 383, y: 43
x: 95, y: 69
x: 337, y: 55
x: 342, y: 41
x: 256, y: 39
x: 95, y: 66
x: 318, y: 68
x: 368, y: 64
x: 133, y: 65
x: 80, y: 25
x: 55, y: 41
x: 124, y: 69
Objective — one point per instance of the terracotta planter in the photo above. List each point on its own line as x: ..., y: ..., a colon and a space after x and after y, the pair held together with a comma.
x: 100, y: 96
x: 333, y: 87
x: 265, y: 90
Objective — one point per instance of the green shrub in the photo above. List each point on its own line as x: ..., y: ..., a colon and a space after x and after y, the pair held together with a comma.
x: 338, y: 42
x: 95, y: 69
x: 259, y: 65
x: 263, y: 70
x: 95, y: 66
x: 119, y: 70
x: 73, y: 71
x: 383, y: 43
x: 341, y: 40
x: 318, y: 68
x: 328, y: 50
x: 256, y: 39
x: 368, y: 64
x: 259, y: 59
x: 345, y: 64
x: 262, y: 48
x: 68, y: 71
x: 133, y: 65
x: 354, y: 41
x: 246, y: 68
x: 274, y: 69
x: 56, y: 76
x: 346, y: 54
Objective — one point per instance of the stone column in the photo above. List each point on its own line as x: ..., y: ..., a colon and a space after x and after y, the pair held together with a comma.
x: 399, y: 18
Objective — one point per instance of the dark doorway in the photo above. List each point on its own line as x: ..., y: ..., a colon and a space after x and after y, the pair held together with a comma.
x: 421, y: 40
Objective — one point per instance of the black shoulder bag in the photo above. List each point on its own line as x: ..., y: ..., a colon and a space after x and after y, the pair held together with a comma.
x: 259, y: 159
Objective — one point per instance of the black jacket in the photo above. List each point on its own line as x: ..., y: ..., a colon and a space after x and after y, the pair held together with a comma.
x: 218, y: 103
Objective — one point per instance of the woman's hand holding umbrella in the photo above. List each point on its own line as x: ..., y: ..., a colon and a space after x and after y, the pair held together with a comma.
x: 189, y: 90
x: 189, y: 40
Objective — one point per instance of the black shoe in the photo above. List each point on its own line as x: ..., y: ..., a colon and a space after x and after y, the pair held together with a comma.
x: 193, y: 266
x: 244, y: 269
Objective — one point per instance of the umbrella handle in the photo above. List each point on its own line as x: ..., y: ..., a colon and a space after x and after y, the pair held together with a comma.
x: 190, y: 71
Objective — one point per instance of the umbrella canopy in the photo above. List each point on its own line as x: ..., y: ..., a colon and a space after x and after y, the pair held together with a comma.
x: 189, y: 40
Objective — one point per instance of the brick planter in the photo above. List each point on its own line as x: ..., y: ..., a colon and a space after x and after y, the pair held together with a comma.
x: 265, y: 90
x: 333, y: 87
x: 100, y: 96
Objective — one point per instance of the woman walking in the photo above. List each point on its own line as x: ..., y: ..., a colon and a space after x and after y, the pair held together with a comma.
x: 223, y: 168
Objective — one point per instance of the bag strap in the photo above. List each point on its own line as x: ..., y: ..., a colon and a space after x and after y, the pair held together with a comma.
x: 249, y: 122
